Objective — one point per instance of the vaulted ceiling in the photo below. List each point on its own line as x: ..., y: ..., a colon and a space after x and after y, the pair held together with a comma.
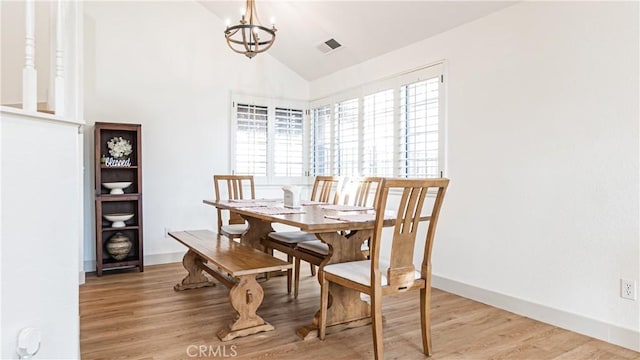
x: 365, y: 29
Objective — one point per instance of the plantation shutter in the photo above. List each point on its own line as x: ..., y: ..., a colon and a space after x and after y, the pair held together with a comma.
x: 288, y: 142
x: 378, y: 134
x: 321, y: 141
x: 419, y: 128
x: 251, y: 139
x: 346, y: 138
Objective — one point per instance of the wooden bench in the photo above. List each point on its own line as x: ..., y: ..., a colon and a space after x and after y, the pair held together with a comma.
x: 233, y: 265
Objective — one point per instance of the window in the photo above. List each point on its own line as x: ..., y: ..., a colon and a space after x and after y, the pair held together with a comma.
x: 393, y: 128
x: 321, y: 141
x: 268, y: 138
x: 419, y: 129
x: 346, y: 138
x: 288, y: 159
x: 378, y: 134
x: 251, y: 140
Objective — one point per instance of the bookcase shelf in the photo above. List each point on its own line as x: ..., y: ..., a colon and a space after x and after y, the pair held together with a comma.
x: 129, y: 202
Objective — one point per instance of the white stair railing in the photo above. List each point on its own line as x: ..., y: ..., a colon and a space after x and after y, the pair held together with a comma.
x: 29, y: 74
x: 58, y: 85
x: 56, y: 99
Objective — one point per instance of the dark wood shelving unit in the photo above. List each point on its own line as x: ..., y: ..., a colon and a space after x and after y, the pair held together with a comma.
x: 130, y: 202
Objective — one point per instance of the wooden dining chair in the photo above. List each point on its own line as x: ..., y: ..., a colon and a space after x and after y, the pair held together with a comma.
x: 357, y: 192
x: 233, y: 187
x: 392, y: 273
x: 326, y: 189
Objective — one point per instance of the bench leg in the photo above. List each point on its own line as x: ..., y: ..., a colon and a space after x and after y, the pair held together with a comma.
x: 195, y: 279
x: 245, y: 297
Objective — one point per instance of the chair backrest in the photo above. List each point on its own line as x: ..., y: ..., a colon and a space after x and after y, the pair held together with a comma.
x: 409, y: 213
x: 361, y: 191
x: 237, y: 187
x: 327, y: 189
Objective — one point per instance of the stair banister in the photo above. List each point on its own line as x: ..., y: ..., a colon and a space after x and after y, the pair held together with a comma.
x: 58, y: 85
x: 29, y: 75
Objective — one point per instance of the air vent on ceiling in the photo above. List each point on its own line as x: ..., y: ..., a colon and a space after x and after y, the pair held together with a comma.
x: 329, y: 46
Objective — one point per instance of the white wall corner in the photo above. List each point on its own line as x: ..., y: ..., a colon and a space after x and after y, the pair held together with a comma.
x: 1, y: 323
x: 628, y: 338
x: 80, y: 200
x: 89, y: 266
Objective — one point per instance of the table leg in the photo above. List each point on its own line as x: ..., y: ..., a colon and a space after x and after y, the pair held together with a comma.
x: 195, y: 279
x: 245, y: 297
x: 346, y: 308
x: 258, y: 229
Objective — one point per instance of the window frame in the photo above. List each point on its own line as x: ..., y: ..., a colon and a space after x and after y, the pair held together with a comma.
x: 271, y: 104
x: 394, y: 82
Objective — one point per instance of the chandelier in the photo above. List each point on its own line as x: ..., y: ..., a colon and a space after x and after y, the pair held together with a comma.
x: 249, y: 37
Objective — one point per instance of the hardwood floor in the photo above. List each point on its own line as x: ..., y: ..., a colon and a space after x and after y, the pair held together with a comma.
x: 134, y: 315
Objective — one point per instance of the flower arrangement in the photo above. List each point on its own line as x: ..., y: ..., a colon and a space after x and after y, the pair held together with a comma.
x: 119, y: 147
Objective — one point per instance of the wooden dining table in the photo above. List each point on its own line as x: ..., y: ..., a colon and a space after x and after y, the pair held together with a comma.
x: 343, y: 228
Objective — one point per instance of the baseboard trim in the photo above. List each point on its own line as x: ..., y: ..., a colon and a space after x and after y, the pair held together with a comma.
x: 625, y: 337
x: 167, y: 258
x: 154, y: 259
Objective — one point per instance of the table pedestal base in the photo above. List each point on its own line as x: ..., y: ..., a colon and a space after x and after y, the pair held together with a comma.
x: 228, y: 334
x: 346, y: 308
x: 311, y: 331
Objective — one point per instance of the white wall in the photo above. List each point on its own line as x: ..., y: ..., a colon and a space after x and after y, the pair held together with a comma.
x: 166, y: 66
x: 542, y: 215
x: 39, y: 234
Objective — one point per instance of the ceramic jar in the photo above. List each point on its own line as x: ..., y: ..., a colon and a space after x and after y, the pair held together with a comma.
x: 118, y: 246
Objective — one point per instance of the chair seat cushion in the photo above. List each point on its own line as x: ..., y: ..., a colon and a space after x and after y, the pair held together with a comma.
x: 292, y: 237
x: 234, y: 229
x: 320, y: 248
x: 360, y: 271
x: 314, y: 247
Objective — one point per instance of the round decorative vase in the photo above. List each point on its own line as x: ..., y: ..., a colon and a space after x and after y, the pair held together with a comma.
x: 118, y: 246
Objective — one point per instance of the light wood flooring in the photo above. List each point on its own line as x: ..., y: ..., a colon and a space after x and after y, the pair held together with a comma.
x: 134, y: 315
